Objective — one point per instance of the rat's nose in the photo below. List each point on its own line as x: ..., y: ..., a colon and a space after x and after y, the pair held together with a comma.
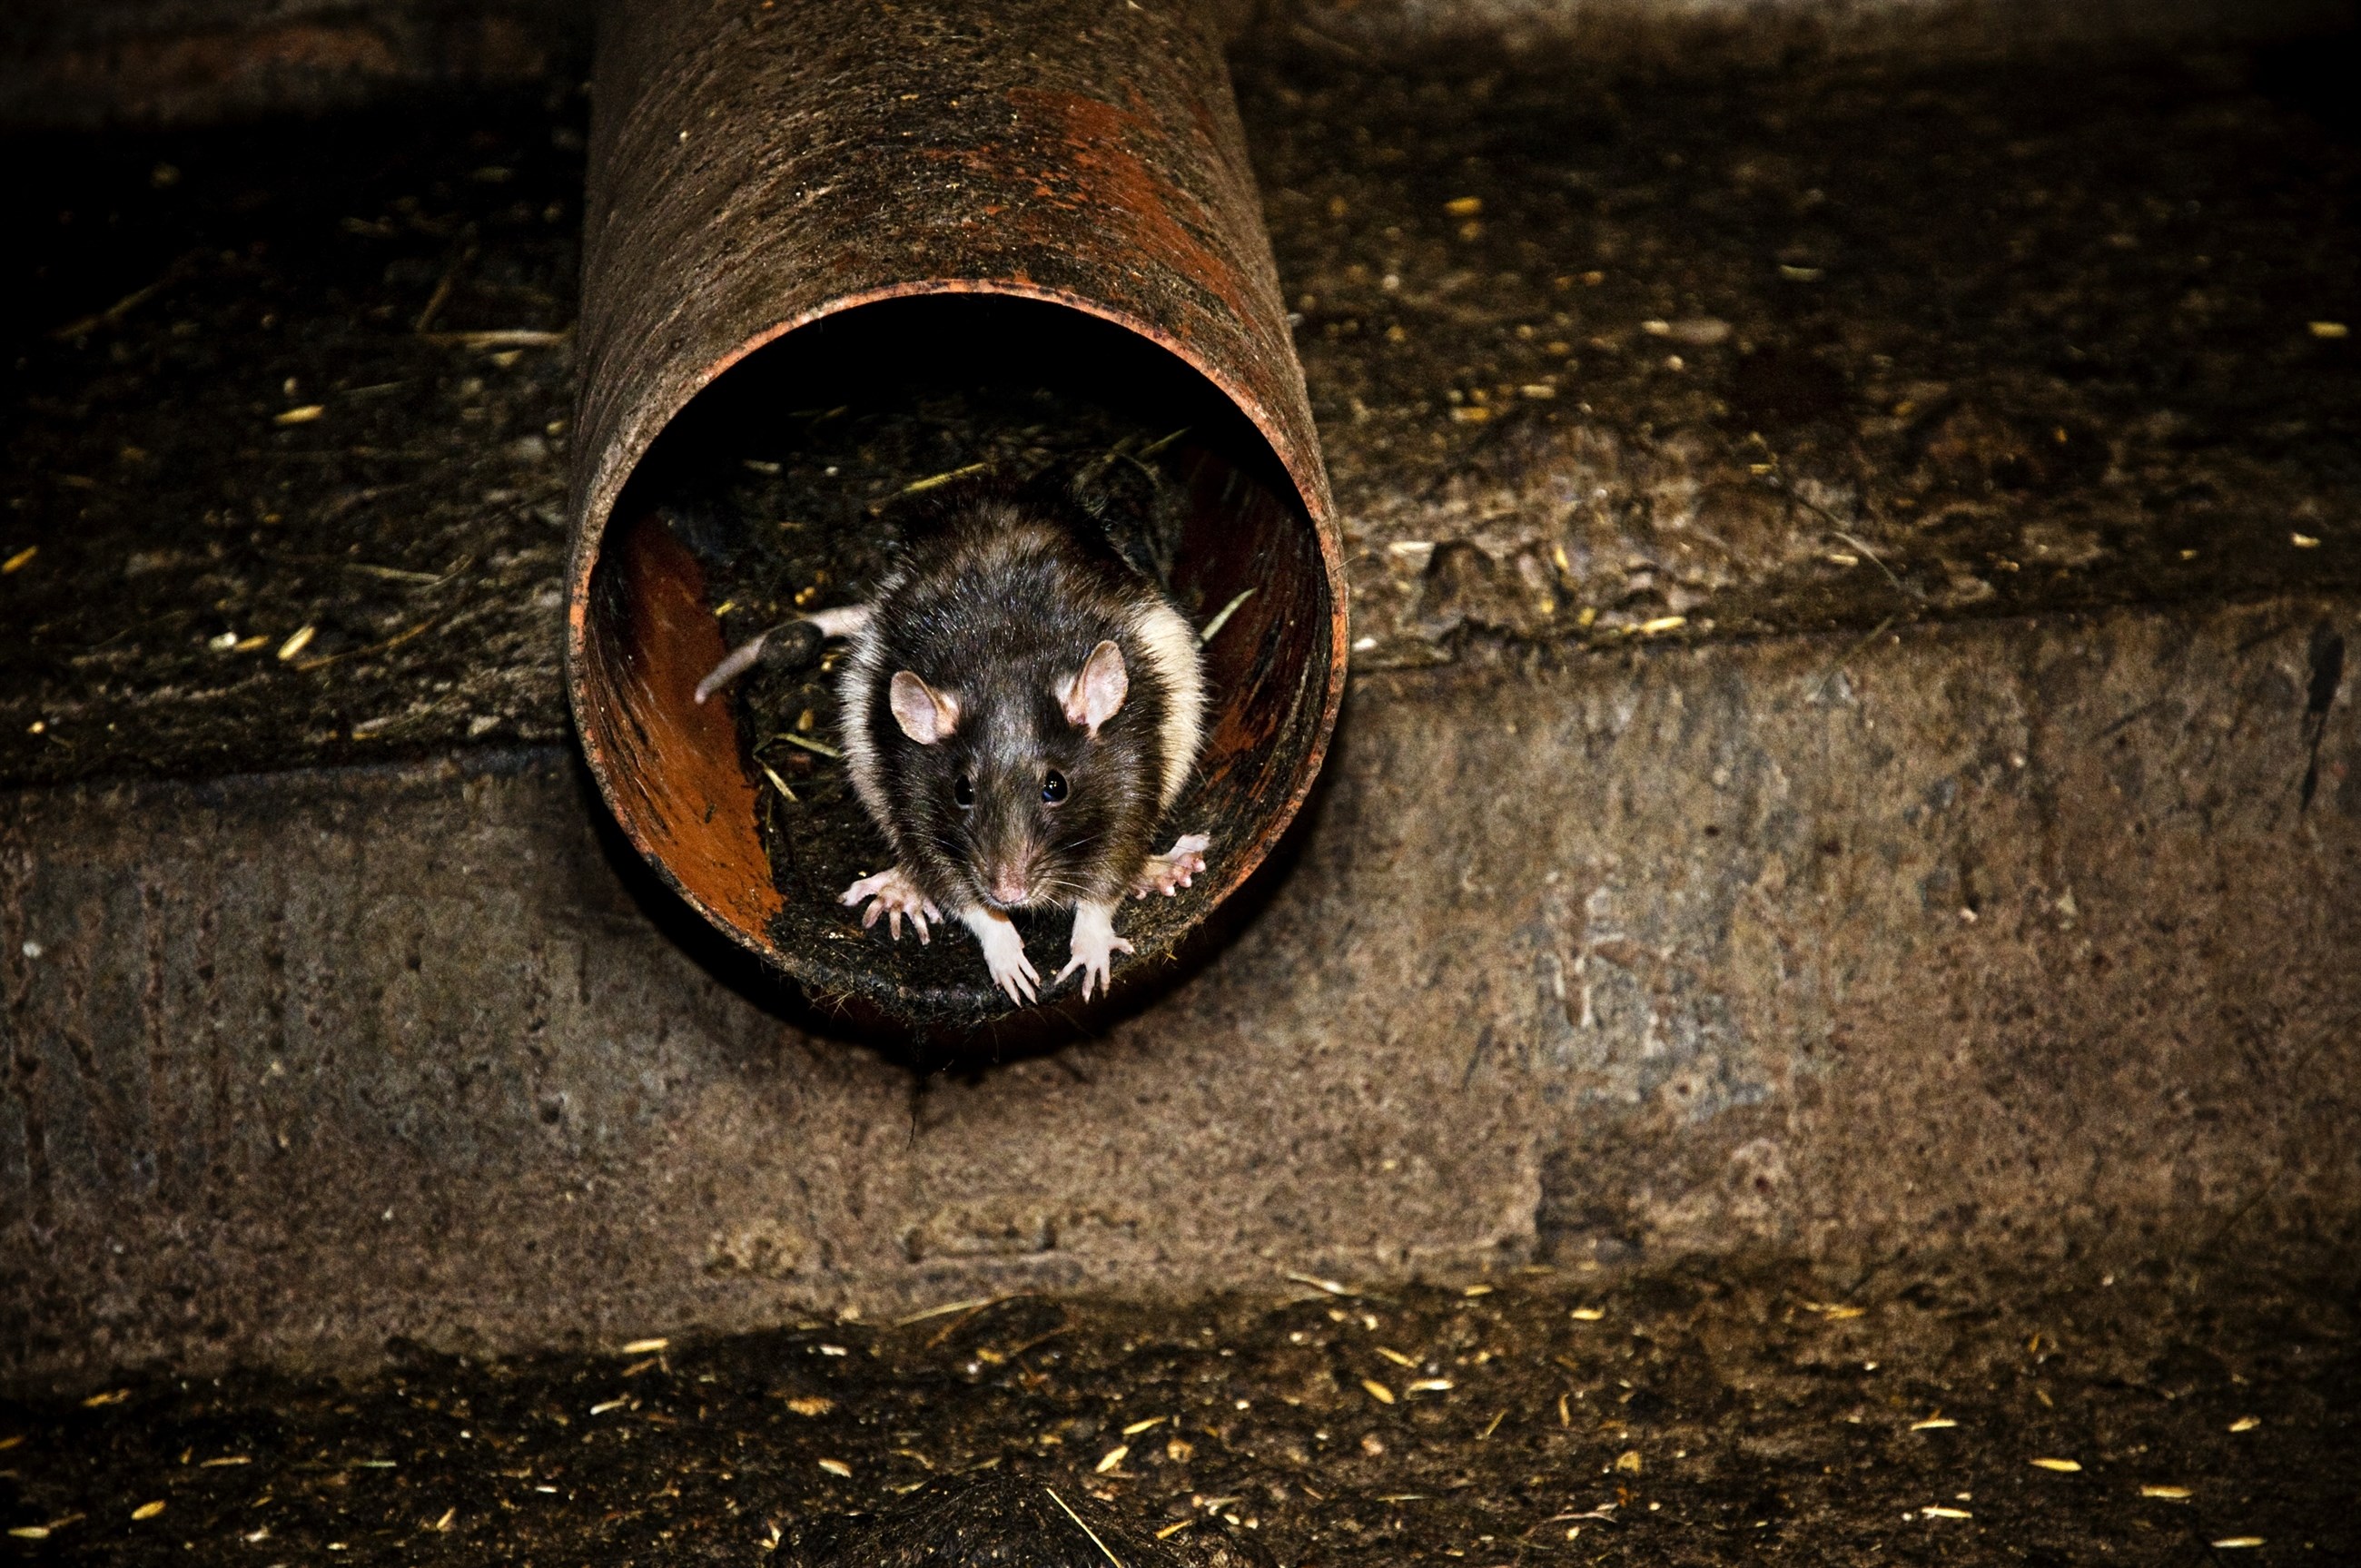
x: 1009, y: 889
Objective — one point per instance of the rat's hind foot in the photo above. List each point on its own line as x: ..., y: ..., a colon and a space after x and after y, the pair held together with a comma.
x: 1094, y: 946
x: 894, y: 894
x: 1174, y: 869
x: 1003, y: 954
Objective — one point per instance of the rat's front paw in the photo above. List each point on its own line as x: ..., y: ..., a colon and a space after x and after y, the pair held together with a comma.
x: 1094, y: 946
x: 893, y: 893
x: 1174, y: 869
x: 1003, y: 954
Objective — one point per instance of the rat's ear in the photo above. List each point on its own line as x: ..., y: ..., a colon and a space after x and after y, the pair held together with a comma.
x: 925, y: 714
x: 1094, y: 695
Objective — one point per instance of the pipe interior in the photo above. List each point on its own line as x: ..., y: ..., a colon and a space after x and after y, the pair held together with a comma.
x: 778, y: 489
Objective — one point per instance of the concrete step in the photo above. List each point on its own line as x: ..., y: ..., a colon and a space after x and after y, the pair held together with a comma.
x: 2024, y: 937
x: 1790, y: 800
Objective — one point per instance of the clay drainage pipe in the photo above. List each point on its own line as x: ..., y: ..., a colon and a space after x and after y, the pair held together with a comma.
x: 783, y: 189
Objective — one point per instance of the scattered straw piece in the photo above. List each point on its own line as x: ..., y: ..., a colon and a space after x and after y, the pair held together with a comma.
x: 1587, y: 1315
x: 297, y: 644
x: 1934, y: 1423
x: 395, y: 642
x: 1936, y: 1511
x: 1377, y: 1391
x: 500, y: 337
x: 394, y: 573
x: 1136, y: 1428
x: 2245, y: 1424
x: 2169, y: 1493
x: 112, y: 313
x: 1396, y: 1357
x: 811, y: 1405
x: 112, y: 1396
x: 837, y: 1467
x: 2230, y: 1542
x: 148, y: 1510
x: 968, y: 1305
x: 303, y: 415
x: 1221, y: 617
x: 644, y: 1346
x: 1330, y: 1286
x: 1431, y: 1386
x: 21, y: 560
x: 933, y: 480
x: 2063, y: 1466
x: 1085, y: 1529
x: 604, y: 1406
x: 816, y: 748
x: 1112, y: 1458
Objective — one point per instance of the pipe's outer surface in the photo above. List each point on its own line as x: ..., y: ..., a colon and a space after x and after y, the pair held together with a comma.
x: 758, y: 165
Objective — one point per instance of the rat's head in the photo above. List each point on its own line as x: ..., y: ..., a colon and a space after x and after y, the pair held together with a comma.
x: 1029, y: 790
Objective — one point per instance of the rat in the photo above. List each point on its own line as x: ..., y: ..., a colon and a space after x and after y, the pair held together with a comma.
x: 1019, y: 706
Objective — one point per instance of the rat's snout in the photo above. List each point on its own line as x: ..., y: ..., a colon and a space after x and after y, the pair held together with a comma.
x: 1006, y: 872
x: 1007, y: 849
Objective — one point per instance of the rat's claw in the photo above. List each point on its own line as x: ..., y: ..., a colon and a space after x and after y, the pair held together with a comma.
x: 1175, y: 868
x: 1003, y: 955
x: 1094, y: 946
x: 893, y: 893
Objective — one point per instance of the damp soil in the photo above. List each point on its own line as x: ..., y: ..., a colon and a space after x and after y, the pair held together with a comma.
x: 1697, y: 333
x: 789, y: 510
x: 1692, y: 1416
x: 286, y: 433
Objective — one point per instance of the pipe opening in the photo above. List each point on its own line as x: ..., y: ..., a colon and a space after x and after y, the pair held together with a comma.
x: 783, y: 487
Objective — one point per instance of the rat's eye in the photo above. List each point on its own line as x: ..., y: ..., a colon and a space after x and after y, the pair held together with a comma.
x: 1053, y: 787
x: 963, y: 791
